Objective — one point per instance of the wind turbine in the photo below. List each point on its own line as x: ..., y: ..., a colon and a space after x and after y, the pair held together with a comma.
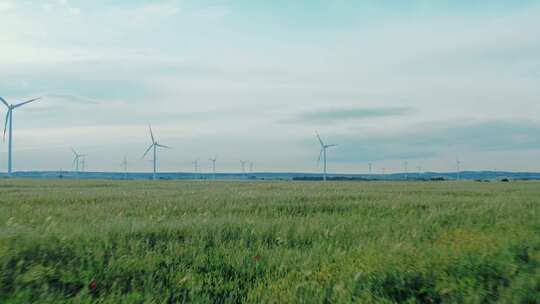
x: 458, y: 168
x: 243, y: 163
x: 213, y: 160
x: 251, y: 167
x: 77, y: 159
x: 9, y: 119
x: 406, y: 166
x: 370, y: 167
x: 323, y: 154
x: 125, y: 164
x: 196, y: 165
x: 154, y: 146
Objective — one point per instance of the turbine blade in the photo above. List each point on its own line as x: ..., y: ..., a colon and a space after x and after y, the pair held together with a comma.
x: 163, y: 146
x: 23, y: 103
x: 75, y: 152
x: 152, y: 134
x: 5, y: 125
x: 319, y: 138
x: 4, y: 102
x: 330, y: 146
x: 320, y: 156
x: 147, y: 150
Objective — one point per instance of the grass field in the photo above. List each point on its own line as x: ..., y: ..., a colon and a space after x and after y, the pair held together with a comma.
x: 281, y: 242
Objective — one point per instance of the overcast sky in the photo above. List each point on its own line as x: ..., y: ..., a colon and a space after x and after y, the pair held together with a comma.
x: 387, y: 81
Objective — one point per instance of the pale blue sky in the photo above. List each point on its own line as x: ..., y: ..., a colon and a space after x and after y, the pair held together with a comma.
x: 423, y: 81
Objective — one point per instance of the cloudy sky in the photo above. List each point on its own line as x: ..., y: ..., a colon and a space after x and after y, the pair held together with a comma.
x: 389, y: 81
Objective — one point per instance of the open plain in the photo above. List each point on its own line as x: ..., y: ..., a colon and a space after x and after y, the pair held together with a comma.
x: 283, y: 242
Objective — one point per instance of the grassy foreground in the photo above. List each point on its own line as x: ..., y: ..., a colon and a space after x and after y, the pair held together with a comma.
x: 281, y: 242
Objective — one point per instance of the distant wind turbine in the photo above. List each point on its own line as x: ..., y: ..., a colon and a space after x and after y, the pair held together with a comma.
x: 458, y: 168
x: 196, y: 165
x: 370, y: 167
x: 323, y: 154
x: 406, y: 167
x: 154, y: 146
x: 243, y: 163
x: 77, y: 159
x: 125, y: 165
x: 213, y: 160
x: 9, y: 119
x: 251, y: 167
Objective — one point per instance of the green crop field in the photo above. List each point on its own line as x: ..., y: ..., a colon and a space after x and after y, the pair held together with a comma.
x: 279, y: 242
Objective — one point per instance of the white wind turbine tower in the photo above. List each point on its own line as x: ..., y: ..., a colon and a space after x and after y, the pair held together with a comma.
x: 125, y: 165
x: 9, y: 119
x: 458, y: 168
x: 154, y: 146
x: 323, y: 154
x: 406, y: 167
x: 213, y: 160
x: 77, y: 159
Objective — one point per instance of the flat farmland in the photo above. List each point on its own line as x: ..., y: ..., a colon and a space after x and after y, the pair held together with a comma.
x: 66, y: 241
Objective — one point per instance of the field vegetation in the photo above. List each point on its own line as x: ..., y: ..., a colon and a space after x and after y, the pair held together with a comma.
x: 278, y: 242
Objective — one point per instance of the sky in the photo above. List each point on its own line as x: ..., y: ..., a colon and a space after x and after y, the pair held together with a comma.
x: 426, y: 82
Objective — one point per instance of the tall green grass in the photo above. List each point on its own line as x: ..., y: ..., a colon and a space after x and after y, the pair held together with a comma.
x: 277, y: 242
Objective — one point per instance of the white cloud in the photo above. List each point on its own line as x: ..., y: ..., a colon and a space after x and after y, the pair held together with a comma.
x: 195, y: 72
